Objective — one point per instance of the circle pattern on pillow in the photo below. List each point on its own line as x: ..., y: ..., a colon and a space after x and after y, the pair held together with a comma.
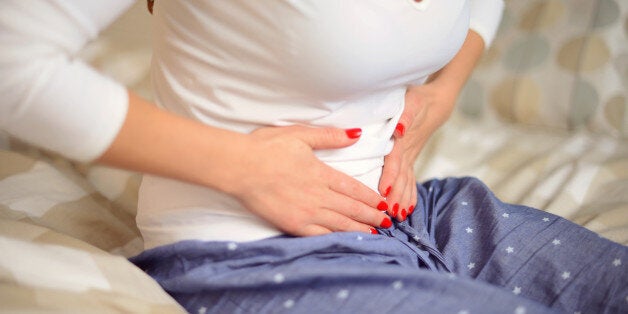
x: 556, y: 64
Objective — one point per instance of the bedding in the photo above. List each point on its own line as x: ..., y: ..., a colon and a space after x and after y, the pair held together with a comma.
x: 45, y: 271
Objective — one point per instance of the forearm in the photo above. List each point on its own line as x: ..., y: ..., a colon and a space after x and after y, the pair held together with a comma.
x: 454, y: 75
x: 154, y: 141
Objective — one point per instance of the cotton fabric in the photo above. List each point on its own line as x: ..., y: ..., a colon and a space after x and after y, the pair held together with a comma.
x: 461, y: 251
x: 242, y: 65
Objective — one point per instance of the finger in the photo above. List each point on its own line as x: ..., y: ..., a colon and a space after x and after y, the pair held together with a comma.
x: 348, y: 186
x: 399, y: 207
x: 313, y: 230
x: 390, y: 171
x: 405, y: 121
x: 335, y: 221
x: 328, y: 138
x: 358, y: 211
x: 414, y: 199
x: 399, y: 198
x: 405, y: 201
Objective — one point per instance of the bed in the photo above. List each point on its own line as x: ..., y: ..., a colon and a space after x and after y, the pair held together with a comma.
x: 543, y: 122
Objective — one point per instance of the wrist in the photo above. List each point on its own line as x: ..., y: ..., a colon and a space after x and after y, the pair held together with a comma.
x: 222, y: 160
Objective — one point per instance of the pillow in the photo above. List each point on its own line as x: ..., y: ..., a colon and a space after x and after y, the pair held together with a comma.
x: 557, y: 64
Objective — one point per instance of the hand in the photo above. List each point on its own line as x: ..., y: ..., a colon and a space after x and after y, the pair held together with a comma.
x: 282, y: 181
x: 427, y: 107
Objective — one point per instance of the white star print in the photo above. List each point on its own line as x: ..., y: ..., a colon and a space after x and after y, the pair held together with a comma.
x: 359, y: 238
x: 471, y: 266
x: 288, y: 304
x: 516, y: 290
x: 232, y: 246
x: 505, y: 215
x: 556, y: 242
x: 416, y: 238
x: 616, y: 262
x: 397, y: 285
x: 342, y: 294
x: 202, y: 310
x: 566, y: 275
x: 279, y: 278
x: 545, y: 219
x: 520, y: 310
x: 469, y: 230
x: 510, y: 249
x: 464, y: 203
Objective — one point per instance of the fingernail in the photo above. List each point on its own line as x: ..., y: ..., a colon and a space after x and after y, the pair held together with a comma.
x: 373, y: 231
x: 387, y: 191
x: 354, y: 133
x: 395, y: 209
x: 382, y: 206
x: 400, y: 128
x: 411, y: 209
x: 404, y: 214
x: 386, y: 223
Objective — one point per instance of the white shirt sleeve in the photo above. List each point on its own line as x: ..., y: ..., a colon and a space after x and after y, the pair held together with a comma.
x: 485, y: 18
x: 50, y: 98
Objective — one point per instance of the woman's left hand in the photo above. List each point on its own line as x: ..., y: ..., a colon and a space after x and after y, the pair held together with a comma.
x: 427, y: 107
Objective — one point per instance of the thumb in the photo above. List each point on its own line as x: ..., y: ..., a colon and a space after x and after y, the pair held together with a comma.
x: 413, y: 105
x: 329, y: 138
x: 405, y: 121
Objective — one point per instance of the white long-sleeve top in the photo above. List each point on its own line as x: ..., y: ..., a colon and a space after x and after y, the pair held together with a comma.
x: 233, y: 64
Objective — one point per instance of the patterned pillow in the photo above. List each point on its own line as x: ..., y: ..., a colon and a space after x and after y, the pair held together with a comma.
x: 556, y: 63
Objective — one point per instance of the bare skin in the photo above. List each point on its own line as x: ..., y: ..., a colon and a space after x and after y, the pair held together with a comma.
x: 427, y: 107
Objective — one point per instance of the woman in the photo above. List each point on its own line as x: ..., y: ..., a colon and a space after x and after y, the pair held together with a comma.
x: 305, y: 118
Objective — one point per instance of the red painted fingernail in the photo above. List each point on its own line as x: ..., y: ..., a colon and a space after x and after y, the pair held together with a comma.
x: 400, y: 128
x: 404, y: 214
x: 354, y: 133
x: 395, y: 209
x: 382, y: 206
x: 387, y: 191
x: 386, y: 223
x: 373, y: 231
x: 411, y: 209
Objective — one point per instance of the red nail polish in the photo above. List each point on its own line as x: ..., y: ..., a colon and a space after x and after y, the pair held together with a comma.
x: 373, y: 231
x: 386, y: 223
x: 354, y: 133
x: 387, y: 191
x: 411, y: 209
x: 395, y: 209
x: 400, y: 128
x: 404, y: 214
x: 382, y: 206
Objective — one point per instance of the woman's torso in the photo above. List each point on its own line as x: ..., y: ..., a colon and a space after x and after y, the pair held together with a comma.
x: 242, y: 65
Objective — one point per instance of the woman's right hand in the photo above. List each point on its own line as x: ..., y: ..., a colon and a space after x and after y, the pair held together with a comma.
x: 272, y: 171
x: 280, y: 179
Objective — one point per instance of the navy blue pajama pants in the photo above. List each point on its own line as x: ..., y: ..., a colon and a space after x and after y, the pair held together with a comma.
x: 461, y: 251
